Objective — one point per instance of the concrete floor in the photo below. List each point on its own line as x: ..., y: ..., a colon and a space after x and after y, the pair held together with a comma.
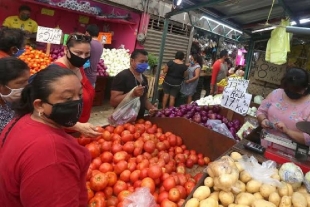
x: 99, y: 115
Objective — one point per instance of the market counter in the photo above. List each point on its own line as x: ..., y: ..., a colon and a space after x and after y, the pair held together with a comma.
x: 196, y: 137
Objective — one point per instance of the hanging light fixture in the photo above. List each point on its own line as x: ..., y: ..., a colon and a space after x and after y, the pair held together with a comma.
x: 177, y: 3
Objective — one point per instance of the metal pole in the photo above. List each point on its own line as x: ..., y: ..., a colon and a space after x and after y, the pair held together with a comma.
x: 249, y: 59
x: 160, y: 60
x: 189, y: 44
x: 298, y: 30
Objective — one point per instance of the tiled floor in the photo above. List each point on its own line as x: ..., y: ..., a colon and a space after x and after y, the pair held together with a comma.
x: 99, y: 114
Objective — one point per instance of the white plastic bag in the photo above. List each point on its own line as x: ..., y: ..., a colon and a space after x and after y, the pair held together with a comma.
x: 259, y: 172
x: 140, y: 198
x: 126, y: 111
x: 222, y: 129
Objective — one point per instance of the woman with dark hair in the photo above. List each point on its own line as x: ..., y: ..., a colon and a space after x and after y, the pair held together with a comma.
x: 14, y: 75
x: 77, y: 52
x: 284, y: 107
x: 175, y: 71
x: 189, y: 87
x: 12, y: 42
x: 41, y: 165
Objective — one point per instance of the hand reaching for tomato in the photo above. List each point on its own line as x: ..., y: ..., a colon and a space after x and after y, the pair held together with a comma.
x: 87, y: 129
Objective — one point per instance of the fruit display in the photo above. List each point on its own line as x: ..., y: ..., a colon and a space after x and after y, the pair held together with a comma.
x: 228, y: 184
x: 130, y: 156
x: 207, y: 116
x: 116, y: 60
x: 35, y: 59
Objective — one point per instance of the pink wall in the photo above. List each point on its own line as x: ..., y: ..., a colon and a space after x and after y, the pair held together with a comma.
x: 68, y: 21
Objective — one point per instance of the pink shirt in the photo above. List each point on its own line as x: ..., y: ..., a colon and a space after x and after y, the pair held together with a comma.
x: 276, y: 109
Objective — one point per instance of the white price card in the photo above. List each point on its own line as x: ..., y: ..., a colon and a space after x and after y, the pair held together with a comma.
x: 49, y: 35
x: 237, y: 101
x: 238, y: 84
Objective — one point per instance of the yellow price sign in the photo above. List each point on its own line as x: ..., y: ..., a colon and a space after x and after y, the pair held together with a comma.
x: 83, y: 19
x: 48, y: 12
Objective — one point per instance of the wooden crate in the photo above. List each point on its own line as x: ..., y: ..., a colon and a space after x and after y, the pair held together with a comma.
x: 151, y: 82
x: 100, y: 90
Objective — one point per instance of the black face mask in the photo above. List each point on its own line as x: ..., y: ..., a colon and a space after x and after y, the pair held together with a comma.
x: 24, y: 17
x: 293, y: 95
x: 66, y: 114
x: 76, y: 60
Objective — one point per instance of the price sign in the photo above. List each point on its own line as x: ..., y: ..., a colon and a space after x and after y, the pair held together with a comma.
x: 236, y: 100
x: 238, y: 84
x: 49, y: 35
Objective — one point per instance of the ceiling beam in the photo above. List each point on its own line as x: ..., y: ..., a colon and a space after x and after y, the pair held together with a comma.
x: 257, y: 24
x: 248, y: 12
x: 289, y: 12
x: 193, y: 7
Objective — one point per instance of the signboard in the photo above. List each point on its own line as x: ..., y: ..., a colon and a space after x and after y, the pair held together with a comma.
x: 105, y: 38
x: 236, y: 101
x: 268, y: 72
x: 238, y: 84
x: 49, y: 35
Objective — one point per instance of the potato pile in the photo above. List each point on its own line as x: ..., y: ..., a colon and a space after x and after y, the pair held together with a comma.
x: 245, y: 191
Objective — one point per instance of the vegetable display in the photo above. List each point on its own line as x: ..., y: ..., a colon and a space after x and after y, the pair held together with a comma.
x: 35, y: 59
x: 241, y: 190
x: 116, y: 60
x: 130, y: 156
x: 210, y: 100
x: 202, y: 115
x: 102, y: 69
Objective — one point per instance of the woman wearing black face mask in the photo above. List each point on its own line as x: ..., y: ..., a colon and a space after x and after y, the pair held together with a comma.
x: 77, y: 52
x: 41, y: 165
x: 283, y: 108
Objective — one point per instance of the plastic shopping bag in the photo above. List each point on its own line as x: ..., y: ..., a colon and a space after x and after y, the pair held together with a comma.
x: 141, y: 198
x: 126, y: 111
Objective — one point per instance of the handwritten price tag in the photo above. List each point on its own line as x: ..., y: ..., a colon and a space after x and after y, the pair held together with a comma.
x: 49, y: 35
x: 238, y: 101
x: 238, y: 84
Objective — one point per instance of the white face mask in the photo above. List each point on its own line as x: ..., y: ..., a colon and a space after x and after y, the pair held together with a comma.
x: 13, y: 96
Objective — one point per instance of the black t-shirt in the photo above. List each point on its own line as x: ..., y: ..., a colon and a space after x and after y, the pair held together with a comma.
x: 175, y: 74
x: 125, y: 82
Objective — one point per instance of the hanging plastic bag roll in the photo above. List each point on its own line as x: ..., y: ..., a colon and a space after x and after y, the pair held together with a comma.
x: 126, y: 111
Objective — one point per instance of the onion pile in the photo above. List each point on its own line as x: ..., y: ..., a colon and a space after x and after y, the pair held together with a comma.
x: 102, y: 69
x: 56, y: 53
x: 200, y: 115
x: 116, y: 60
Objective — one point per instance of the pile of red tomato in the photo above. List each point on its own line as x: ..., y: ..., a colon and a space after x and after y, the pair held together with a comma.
x: 131, y: 156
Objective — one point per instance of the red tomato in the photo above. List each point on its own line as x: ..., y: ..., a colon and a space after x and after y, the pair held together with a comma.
x: 132, y: 129
x: 120, y: 167
x: 105, y: 167
x: 112, y: 201
x: 181, y: 169
x: 140, y: 121
x: 164, y: 176
x: 189, y: 163
x: 137, y: 184
x: 116, y: 137
x: 136, y: 135
x: 182, y: 191
x: 180, y: 158
x: 119, y: 156
x: 169, y: 183
x: 183, y: 147
x: 108, y: 191
x: 122, y: 195
x: 119, y: 187
x: 149, y: 146
x: 97, y: 201
x: 182, y: 179
x: 178, y: 150
x: 84, y: 141
x: 174, y: 195
x: 127, y: 137
x: 95, y: 172
x: 112, y: 178
x: 137, y: 151
x: 181, y: 202
x: 106, y: 135
x: 90, y: 193
x: 200, y: 155
x: 139, y: 143
x: 94, y: 149
x: 162, y: 196
x: 125, y: 175
x: 201, y: 162
x: 198, y: 176
x: 116, y: 147
x: 98, y: 182
x: 97, y: 162
x: 161, y: 146
x: 194, y: 158
x: 207, y: 160
x: 110, y: 129
x: 119, y: 129
x: 172, y: 140
x: 134, y: 176
x: 149, y: 183
x: 189, y: 186
x: 129, y: 147
x: 106, y: 157
x: 132, y: 166
x: 168, y: 203
x: 179, y: 141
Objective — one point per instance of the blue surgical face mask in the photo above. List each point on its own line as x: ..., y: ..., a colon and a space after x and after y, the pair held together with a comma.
x: 192, y: 62
x: 19, y: 52
x: 141, y: 67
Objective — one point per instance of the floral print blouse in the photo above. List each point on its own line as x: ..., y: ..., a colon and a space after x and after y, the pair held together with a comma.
x: 6, y: 115
x: 276, y: 109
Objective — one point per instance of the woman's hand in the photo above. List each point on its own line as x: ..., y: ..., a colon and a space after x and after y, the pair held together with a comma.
x: 280, y: 126
x: 265, y: 123
x: 86, y: 129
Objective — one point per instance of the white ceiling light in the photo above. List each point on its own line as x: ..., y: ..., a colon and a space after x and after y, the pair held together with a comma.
x: 302, y: 21
x: 179, y: 2
x: 219, y: 23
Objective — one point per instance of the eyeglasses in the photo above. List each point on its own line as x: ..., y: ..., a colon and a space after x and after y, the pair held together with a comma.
x: 76, y: 37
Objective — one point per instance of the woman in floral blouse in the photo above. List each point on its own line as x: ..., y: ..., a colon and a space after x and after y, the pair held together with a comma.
x: 14, y: 75
x: 283, y: 108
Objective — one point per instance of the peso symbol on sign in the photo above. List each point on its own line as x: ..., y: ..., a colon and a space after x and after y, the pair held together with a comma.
x: 49, y: 35
x: 235, y: 100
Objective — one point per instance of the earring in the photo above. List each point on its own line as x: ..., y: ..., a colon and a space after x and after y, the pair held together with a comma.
x: 40, y: 113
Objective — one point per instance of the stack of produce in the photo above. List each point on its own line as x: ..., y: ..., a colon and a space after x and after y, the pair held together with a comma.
x: 131, y: 156
x: 204, y: 115
x: 116, y: 60
x: 226, y: 187
x: 102, y: 69
x: 35, y: 59
x: 57, y: 53
x: 210, y: 100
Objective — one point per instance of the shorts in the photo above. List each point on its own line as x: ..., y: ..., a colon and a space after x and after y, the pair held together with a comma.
x: 171, y: 90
